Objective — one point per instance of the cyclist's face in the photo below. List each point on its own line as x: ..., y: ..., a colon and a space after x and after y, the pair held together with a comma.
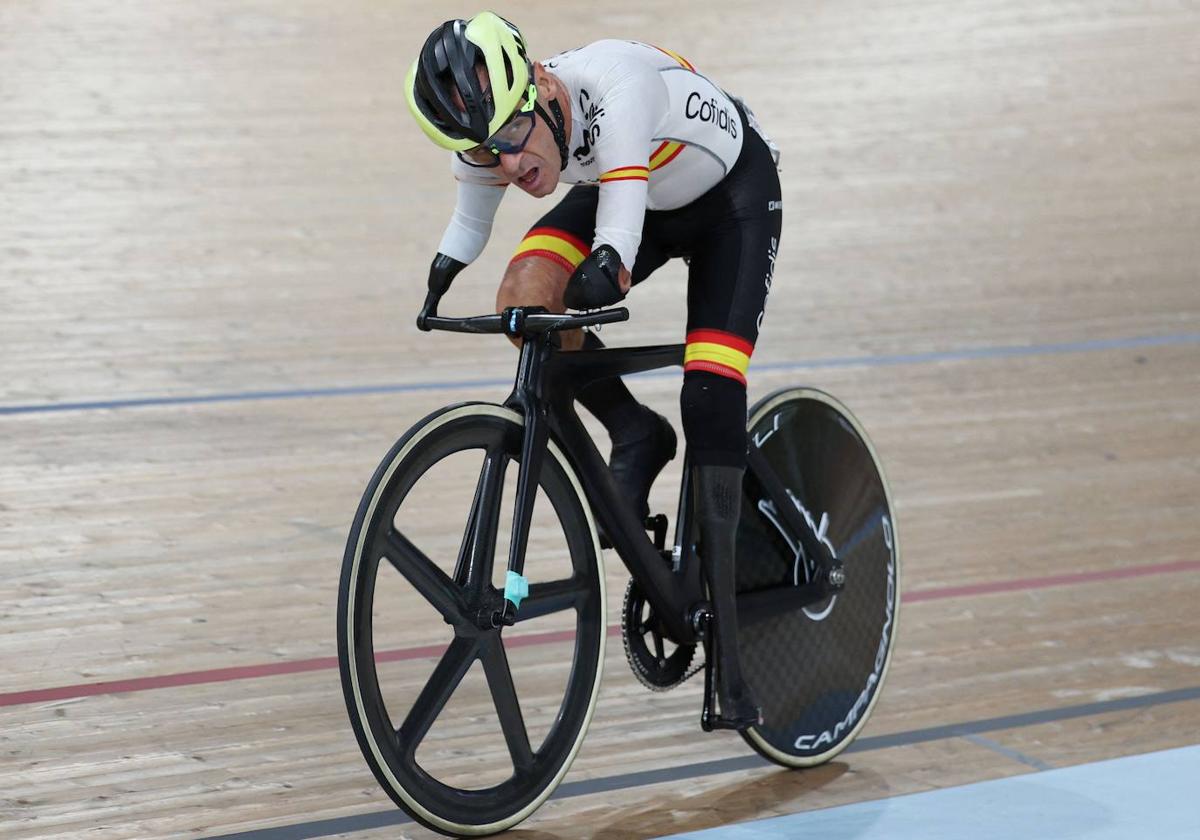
x: 535, y: 168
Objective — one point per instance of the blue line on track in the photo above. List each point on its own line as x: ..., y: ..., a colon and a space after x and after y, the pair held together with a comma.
x: 464, y: 384
x: 642, y: 778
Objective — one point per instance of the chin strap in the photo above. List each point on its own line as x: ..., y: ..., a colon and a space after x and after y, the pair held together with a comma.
x: 556, y: 128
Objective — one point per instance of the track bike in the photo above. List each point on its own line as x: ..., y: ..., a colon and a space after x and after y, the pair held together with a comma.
x: 817, y: 570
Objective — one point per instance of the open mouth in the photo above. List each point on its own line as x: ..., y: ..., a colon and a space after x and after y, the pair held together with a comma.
x: 529, y: 178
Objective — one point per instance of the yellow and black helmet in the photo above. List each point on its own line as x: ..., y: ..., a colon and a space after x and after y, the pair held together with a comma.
x: 448, y: 64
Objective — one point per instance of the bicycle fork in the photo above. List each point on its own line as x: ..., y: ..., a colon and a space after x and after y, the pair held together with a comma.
x: 526, y: 399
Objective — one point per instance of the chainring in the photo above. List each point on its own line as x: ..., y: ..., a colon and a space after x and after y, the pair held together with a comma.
x: 646, y: 645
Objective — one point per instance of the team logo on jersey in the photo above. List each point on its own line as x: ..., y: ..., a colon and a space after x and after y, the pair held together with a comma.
x: 710, y: 111
x: 591, y: 132
x: 553, y: 61
x: 772, y: 254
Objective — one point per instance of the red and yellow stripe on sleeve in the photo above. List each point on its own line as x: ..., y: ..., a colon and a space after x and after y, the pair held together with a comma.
x: 626, y: 173
x: 719, y: 352
x: 664, y: 154
x: 564, y: 248
x: 683, y: 62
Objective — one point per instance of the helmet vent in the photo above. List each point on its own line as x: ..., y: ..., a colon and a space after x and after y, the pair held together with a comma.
x: 508, y: 70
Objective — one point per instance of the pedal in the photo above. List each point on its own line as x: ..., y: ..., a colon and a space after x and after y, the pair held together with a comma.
x: 656, y: 524
x: 709, y: 719
x: 736, y: 724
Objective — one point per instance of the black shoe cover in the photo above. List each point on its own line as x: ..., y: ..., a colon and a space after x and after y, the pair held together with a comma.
x: 637, y: 461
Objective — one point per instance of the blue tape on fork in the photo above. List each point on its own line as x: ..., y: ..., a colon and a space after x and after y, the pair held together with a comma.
x: 516, y: 589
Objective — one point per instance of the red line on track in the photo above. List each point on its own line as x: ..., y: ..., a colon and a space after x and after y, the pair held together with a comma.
x: 1051, y: 580
x: 323, y: 663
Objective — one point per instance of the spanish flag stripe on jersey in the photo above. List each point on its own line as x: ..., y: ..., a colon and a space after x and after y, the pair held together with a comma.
x: 561, y: 234
x: 719, y: 352
x: 665, y: 153
x: 626, y: 173
x: 703, y: 351
x: 553, y: 256
x: 721, y: 337
x: 683, y: 62
x: 557, y: 245
x: 715, y: 368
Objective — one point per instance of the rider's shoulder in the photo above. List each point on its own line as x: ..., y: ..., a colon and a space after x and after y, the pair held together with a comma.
x: 602, y: 55
x: 607, y: 64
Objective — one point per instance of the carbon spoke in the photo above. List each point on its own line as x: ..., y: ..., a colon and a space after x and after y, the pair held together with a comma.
x: 493, y: 461
x: 478, y: 548
x: 551, y: 597
x: 432, y: 583
x: 462, y: 565
x: 508, y: 708
x: 450, y: 670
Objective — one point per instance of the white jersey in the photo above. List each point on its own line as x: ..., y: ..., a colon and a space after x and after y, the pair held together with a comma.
x: 647, y: 129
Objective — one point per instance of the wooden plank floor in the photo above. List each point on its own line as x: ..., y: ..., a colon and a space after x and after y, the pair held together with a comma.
x: 991, y: 253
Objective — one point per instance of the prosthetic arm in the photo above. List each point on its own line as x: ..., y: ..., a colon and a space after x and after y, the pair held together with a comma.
x: 442, y: 272
x: 596, y: 282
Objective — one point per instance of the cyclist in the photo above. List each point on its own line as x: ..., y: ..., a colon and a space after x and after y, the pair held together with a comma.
x: 665, y: 164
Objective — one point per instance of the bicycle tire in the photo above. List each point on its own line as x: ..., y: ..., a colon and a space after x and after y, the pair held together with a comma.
x: 389, y: 752
x: 819, y: 670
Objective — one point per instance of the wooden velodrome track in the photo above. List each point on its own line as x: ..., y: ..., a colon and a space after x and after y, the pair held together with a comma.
x: 213, y: 216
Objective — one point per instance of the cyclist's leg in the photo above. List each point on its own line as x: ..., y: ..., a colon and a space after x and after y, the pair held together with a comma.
x: 643, y: 441
x: 730, y: 276
x: 553, y: 248
x: 735, y: 233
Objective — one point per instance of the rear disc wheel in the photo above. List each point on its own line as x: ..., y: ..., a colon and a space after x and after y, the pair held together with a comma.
x: 818, y: 669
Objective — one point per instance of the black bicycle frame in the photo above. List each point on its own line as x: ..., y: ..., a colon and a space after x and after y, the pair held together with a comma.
x: 544, y: 392
x: 674, y: 593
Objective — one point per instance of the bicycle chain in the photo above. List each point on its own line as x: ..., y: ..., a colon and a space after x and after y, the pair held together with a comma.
x: 695, y: 670
x: 630, y: 656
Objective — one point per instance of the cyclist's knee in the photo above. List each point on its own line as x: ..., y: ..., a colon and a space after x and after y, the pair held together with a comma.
x: 713, y: 409
x: 533, y: 281
x: 537, y: 281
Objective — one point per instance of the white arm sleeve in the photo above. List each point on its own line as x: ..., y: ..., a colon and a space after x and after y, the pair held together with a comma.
x: 474, y: 211
x: 636, y: 103
x: 471, y: 224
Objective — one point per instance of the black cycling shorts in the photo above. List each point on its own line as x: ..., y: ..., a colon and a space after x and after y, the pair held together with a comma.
x: 730, y: 236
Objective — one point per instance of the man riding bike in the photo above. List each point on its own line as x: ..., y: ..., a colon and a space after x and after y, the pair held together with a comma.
x: 665, y: 164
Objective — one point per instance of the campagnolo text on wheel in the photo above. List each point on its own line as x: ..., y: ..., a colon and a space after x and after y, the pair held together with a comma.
x: 776, y: 573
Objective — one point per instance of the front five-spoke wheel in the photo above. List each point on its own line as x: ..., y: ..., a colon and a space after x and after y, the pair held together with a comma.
x: 427, y: 668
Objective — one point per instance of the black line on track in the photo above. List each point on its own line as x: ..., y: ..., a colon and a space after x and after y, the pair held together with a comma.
x: 391, y: 817
x: 961, y: 355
